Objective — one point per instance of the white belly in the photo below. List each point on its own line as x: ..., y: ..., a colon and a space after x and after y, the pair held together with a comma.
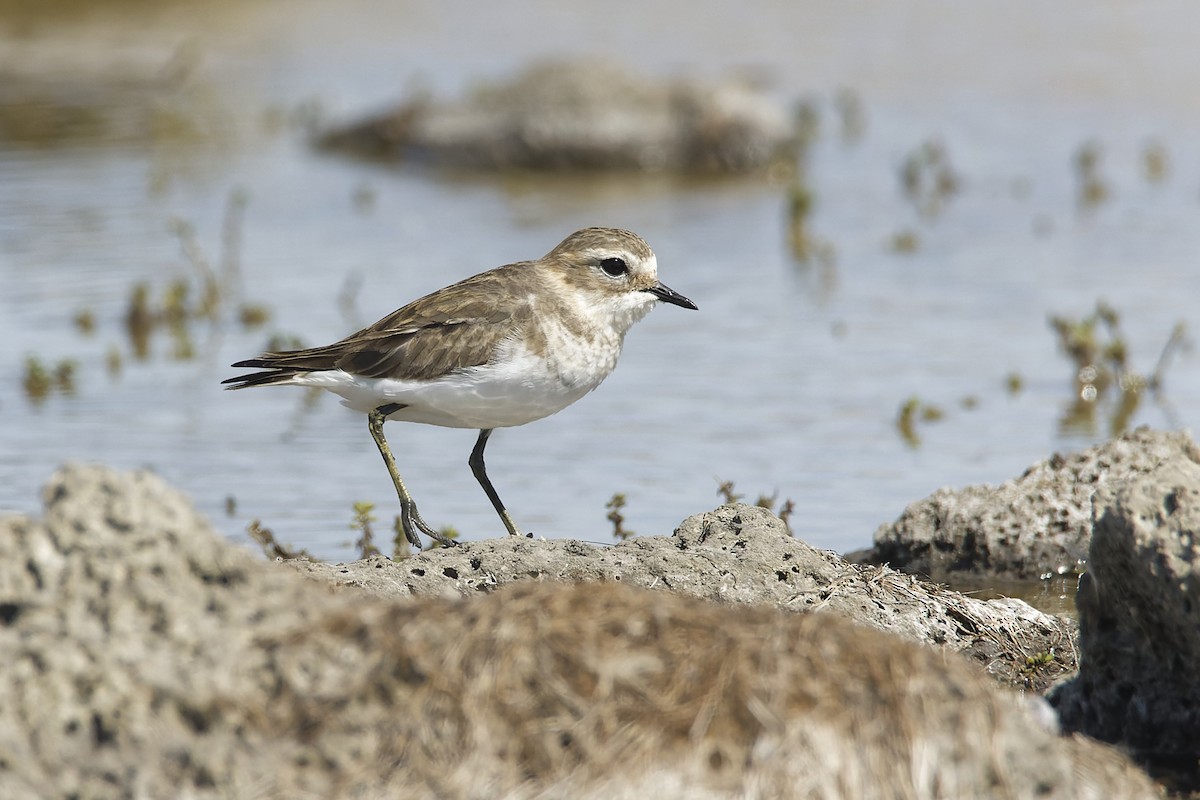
x: 516, y: 388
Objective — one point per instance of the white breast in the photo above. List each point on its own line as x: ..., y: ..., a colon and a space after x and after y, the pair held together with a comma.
x: 516, y: 386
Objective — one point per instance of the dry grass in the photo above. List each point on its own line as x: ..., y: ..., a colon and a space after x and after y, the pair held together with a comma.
x: 603, y: 690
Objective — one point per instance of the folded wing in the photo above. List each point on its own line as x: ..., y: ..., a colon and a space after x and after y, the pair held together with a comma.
x: 458, y: 327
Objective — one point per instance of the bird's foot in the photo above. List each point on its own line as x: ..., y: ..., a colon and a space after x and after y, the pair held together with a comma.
x: 410, y: 517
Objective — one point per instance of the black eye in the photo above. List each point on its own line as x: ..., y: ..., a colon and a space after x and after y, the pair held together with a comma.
x: 614, y: 267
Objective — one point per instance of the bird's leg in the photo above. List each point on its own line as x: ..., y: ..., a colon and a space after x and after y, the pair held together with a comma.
x: 480, y: 472
x: 409, y: 515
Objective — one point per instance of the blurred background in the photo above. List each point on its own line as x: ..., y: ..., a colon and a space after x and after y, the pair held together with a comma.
x: 985, y: 252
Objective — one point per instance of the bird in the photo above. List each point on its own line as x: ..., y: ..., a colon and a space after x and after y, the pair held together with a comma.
x: 500, y: 349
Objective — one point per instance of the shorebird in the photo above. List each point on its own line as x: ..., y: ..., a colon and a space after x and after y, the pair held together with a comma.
x: 499, y: 349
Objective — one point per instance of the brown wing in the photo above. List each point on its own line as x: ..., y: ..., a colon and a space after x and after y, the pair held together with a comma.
x: 457, y: 327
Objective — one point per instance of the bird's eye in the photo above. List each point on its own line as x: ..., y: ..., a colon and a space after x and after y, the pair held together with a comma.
x: 614, y: 267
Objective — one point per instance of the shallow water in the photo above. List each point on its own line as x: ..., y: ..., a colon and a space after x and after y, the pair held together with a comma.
x: 790, y: 378
x: 1054, y: 595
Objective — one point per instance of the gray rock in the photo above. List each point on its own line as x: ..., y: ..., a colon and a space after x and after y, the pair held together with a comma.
x: 130, y: 633
x: 581, y: 115
x: 740, y: 554
x: 146, y: 657
x: 1028, y: 527
x: 1139, y: 676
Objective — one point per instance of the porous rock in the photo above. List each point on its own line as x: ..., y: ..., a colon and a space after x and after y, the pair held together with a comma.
x: 146, y: 657
x: 1139, y: 613
x: 1028, y: 527
x: 746, y: 555
x: 581, y: 115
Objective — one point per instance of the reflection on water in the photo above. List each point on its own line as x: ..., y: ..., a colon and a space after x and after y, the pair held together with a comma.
x: 1053, y: 596
x: 969, y: 175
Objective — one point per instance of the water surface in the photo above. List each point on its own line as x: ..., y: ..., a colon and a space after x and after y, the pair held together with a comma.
x: 787, y: 382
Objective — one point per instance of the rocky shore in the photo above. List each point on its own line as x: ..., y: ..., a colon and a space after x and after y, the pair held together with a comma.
x: 1034, y: 525
x: 589, y: 114
x: 145, y: 656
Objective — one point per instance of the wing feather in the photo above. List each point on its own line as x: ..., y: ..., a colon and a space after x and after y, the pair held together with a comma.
x: 458, y: 327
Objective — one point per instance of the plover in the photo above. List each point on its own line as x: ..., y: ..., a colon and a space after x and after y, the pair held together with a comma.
x: 499, y: 349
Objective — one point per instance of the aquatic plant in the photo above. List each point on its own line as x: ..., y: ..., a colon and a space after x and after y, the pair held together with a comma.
x: 614, y: 506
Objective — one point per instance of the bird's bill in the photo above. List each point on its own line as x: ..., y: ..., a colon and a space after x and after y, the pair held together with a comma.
x: 669, y: 295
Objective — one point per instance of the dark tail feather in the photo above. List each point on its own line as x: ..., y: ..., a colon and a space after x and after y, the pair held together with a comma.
x: 261, y: 361
x: 283, y: 366
x: 259, y: 378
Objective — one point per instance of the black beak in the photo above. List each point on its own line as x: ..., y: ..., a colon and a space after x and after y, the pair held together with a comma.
x: 669, y: 295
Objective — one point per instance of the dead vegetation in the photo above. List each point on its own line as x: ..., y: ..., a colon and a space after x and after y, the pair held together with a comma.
x: 271, y: 547
x: 276, y: 687
x: 1105, y: 382
x: 607, y: 691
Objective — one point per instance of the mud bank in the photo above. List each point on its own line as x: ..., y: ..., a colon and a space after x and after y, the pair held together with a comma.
x: 147, y: 656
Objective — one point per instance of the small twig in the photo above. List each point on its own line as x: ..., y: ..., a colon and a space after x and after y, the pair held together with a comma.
x: 231, y: 241
x: 347, y: 299
x: 271, y: 548
x: 725, y: 490
x: 1176, y: 341
x: 615, y: 516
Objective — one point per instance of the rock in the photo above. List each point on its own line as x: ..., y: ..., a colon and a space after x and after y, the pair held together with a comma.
x: 144, y: 97
x: 1140, y: 620
x: 144, y: 656
x: 1037, y: 524
x: 127, y: 625
x: 581, y: 115
x: 740, y: 554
